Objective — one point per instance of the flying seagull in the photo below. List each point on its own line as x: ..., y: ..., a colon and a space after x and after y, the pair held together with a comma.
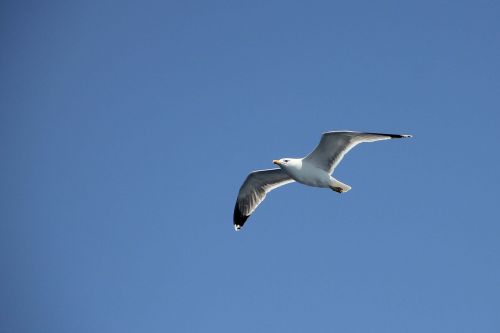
x: 314, y: 170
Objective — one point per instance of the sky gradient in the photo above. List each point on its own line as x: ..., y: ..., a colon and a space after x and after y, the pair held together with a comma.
x: 127, y: 128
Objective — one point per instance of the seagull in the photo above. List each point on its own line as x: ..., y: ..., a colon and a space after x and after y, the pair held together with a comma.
x: 313, y: 170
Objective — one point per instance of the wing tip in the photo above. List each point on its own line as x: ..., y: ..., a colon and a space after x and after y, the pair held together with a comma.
x: 238, y: 218
x: 400, y: 136
x: 394, y: 136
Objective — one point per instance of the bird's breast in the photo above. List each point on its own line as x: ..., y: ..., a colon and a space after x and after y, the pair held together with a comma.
x: 309, y: 176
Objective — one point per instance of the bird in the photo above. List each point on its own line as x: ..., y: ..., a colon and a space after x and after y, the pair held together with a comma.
x: 314, y: 170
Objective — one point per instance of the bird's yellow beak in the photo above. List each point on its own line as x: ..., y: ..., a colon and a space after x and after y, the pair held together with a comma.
x: 277, y: 162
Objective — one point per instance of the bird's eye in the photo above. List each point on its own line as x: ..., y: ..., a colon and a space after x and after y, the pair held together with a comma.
x: 286, y: 161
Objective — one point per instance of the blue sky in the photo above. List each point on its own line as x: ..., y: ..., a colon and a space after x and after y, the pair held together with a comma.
x: 126, y: 129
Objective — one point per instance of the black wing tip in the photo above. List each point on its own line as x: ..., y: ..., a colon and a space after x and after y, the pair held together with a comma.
x: 393, y: 136
x: 238, y: 218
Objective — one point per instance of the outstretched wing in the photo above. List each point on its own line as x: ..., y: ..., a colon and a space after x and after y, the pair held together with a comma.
x: 334, y: 145
x: 254, y: 190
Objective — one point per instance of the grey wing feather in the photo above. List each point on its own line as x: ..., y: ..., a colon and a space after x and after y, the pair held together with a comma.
x: 254, y: 190
x: 334, y: 145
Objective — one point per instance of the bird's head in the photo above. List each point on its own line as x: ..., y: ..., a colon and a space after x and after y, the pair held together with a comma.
x: 284, y: 162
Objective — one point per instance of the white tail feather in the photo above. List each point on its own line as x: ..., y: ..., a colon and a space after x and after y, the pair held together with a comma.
x: 338, y: 186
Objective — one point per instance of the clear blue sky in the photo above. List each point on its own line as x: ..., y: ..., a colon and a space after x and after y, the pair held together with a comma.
x: 127, y: 128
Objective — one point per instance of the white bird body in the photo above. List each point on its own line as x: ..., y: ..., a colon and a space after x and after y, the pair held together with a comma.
x: 306, y: 173
x: 313, y: 170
